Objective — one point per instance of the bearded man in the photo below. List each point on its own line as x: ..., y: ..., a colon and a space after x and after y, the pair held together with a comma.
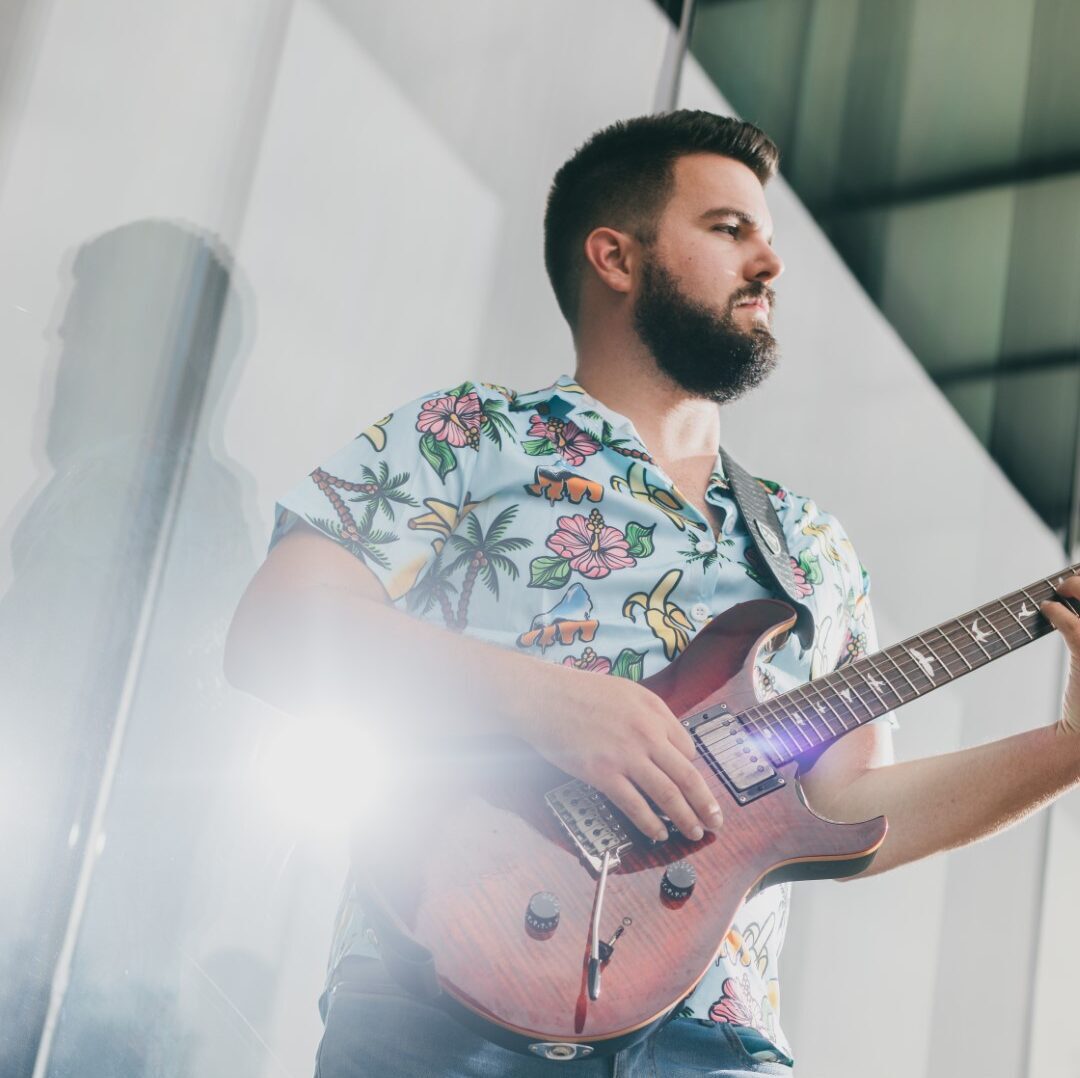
x: 539, y: 553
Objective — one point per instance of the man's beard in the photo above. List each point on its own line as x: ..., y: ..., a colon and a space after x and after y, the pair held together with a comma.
x: 706, y: 354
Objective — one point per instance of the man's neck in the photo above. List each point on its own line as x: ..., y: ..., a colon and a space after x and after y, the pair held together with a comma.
x: 676, y: 427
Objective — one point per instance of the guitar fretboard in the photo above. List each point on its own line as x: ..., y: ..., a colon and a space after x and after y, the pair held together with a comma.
x: 814, y: 714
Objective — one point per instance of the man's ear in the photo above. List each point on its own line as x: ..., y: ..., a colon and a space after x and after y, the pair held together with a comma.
x: 613, y: 256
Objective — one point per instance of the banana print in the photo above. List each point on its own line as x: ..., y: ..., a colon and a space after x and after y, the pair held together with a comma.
x: 636, y: 484
x: 441, y: 518
x: 376, y: 433
x: 668, y: 622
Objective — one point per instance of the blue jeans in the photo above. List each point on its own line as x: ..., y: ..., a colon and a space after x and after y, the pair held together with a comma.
x: 374, y: 1029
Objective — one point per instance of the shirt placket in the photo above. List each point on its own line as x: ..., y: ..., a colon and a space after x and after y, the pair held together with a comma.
x: 704, y: 592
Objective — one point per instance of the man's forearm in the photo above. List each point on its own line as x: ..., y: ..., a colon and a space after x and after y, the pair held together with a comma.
x: 942, y: 802
x: 328, y: 653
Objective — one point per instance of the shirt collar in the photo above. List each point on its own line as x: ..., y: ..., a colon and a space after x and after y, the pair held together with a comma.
x: 574, y: 397
x: 564, y: 388
x: 576, y: 403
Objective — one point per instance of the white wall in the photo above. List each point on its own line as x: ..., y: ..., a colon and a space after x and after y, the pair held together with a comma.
x: 929, y: 969
x: 378, y: 172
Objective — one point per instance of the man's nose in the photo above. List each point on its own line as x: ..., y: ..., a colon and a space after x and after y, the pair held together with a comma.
x: 766, y: 266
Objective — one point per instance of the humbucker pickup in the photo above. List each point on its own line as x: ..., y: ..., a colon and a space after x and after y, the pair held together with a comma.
x: 733, y: 753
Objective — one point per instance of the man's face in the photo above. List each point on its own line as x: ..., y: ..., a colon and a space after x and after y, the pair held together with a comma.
x: 704, y: 304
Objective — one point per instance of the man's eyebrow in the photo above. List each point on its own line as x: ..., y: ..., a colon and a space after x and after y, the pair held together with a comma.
x: 742, y: 216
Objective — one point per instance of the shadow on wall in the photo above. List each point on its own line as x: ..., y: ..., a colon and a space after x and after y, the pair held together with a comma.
x: 152, y: 322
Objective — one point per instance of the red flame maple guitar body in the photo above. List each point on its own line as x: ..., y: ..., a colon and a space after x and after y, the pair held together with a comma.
x: 476, y: 835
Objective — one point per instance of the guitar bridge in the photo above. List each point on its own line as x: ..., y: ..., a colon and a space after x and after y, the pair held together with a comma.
x: 590, y: 821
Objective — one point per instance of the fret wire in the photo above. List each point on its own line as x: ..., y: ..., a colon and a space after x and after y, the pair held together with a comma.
x: 762, y: 722
x: 978, y: 656
x: 933, y: 651
x: 840, y: 696
x: 1037, y: 602
x: 900, y: 669
x: 919, y: 665
x: 792, y: 721
x: 792, y: 727
x: 1023, y: 628
x: 869, y: 660
x: 1062, y: 599
x: 810, y: 717
x: 990, y: 621
x: 1027, y: 595
x: 839, y: 672
x: 975, y: 638
x: 814, y: 707
x: 826, y: 703
x: 963, y: 657
x: 776, y: 725
x: 943, y: 663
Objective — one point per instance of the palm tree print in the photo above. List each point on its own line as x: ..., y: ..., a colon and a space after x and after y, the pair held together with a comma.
x: 381, y: 491
x: 483, y: 555
x: 433, y: 587
x: 618, y: 445
x: 361, y: 538
x: 709, y: 557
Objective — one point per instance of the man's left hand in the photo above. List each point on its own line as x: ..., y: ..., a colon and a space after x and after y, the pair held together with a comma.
x: 1068, y: 624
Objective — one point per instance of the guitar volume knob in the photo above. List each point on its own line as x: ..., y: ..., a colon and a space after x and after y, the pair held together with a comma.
x: 543, y: 912
x: 678, y: 882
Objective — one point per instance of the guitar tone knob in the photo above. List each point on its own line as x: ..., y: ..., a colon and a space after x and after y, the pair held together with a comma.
x: 678, y: 881
x: 543, y: 912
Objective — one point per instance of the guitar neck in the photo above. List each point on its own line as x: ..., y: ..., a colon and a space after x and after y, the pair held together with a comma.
x: 813, y: 715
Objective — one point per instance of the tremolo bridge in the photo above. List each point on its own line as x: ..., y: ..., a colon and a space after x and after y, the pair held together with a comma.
x: 729, y: 748
x: 591, y: 821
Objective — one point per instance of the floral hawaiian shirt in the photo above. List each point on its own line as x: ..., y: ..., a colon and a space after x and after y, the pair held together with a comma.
x: 539, y: 522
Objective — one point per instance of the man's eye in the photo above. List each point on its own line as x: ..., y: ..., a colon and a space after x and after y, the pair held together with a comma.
x: 731, y: 230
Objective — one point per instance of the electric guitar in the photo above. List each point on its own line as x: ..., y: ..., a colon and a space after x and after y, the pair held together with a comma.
x: 554, y: 926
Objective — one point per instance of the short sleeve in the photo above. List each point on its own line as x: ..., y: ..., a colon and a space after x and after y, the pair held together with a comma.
x: 393, y: 495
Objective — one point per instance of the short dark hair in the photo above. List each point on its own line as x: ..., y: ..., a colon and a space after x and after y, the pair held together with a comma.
x: 623, y: 176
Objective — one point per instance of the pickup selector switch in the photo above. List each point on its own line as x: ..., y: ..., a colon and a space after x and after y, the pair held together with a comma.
x: 543, y: 912
x: 678, y: 881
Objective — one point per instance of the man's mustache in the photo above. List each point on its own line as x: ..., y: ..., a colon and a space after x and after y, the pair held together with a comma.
x: 754, y: 290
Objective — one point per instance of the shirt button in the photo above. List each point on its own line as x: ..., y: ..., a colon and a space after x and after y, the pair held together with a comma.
x: 706, y: 544
x: 699, y: 612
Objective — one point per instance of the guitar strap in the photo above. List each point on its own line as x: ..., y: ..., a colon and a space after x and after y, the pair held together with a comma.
x: 767, y: 535
x: 409, y: 963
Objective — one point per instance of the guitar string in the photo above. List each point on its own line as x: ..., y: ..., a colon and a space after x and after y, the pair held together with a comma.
x: 779, y: 723
x: 783, y: 717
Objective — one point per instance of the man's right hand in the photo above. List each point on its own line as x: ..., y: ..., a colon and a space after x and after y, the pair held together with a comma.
x: 314, y: 611
x: 625, y: 741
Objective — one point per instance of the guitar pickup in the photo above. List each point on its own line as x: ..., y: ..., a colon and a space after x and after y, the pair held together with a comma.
x: 734, y: 754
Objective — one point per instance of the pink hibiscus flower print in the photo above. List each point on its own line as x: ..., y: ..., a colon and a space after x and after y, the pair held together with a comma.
x: 592, y: 547
x: 452, y: 419
x: 735, y: 1004
x: 566, y: 437
x: 589, y: 661
x: 802, y: 586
